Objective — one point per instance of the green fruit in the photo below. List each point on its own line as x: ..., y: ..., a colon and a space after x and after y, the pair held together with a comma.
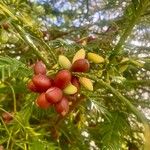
x: 124, y: 60
x: 79, y: 55
x: 70, y: 89
x: 95, y: 58
x: 87, y: 83
x: 64, y: 62
x: 4, y: 36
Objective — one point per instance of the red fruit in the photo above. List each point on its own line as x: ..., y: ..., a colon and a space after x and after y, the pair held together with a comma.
x: 54, y: 94
x: 75, y: 82
x: 62, y: 107
x: 80, y: 65
x: 39, y: 68
x: 42, y: 82
x: 42, y: 102
x: 52, y: 81
x: 7, y: 117
x: 5, y: 26
x: 31, y: 86
x: 62, y: 79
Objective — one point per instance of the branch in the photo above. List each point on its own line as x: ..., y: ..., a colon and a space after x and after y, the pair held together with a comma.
x: 139, y: 82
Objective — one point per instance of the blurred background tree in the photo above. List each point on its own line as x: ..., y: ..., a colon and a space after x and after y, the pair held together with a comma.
x: 113, y: 117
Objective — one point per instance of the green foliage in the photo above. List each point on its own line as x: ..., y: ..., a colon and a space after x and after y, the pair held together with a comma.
x: 11, y: 67
x: 43, y: 145
x: 113, y: 131
x: 108, y: 118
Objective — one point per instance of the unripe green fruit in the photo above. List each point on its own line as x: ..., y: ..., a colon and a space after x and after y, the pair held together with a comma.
x: 95, y: 58
x: 70, y: 89
x: 64, y: 62
x: 87, y: 83
x: 4, y: 36
x: 79, y: 55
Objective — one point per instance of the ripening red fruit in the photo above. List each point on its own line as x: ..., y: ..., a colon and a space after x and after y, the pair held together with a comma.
x: 31, y: 86
x: 52, y: 81
x: 42, y: 82
x: 80, y: 65
x: 5, y: 26
x: 7, y: 117
x: 42, y: 102
x: 62, y: 79
x: 75, y: 82
x: 54, y: 95
x: 62, y: 107
x: 39, y: 68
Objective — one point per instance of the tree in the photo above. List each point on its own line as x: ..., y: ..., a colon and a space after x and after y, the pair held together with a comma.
x: 113, y: 116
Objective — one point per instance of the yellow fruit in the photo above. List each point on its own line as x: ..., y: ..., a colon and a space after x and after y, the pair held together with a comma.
x: 124, y: 60
x: 64, y: 62
x: 79, y: 55
x: 87, y: 83
x: 95, y: 58
x: 70, y: 89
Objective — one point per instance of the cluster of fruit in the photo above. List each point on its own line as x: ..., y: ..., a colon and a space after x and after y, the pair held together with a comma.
x: 54, y: 90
